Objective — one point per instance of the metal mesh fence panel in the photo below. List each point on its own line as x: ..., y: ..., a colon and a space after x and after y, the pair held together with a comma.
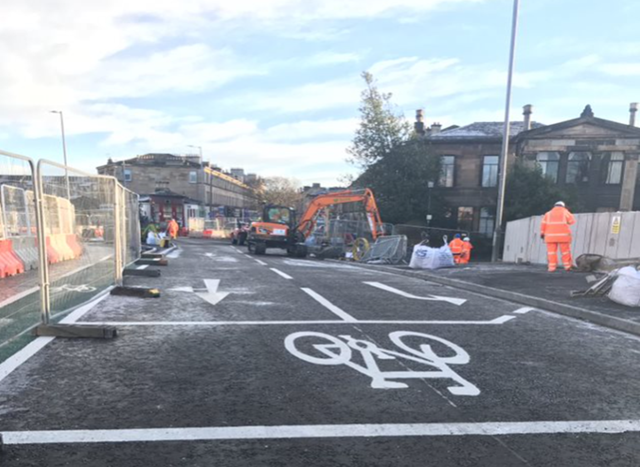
x: 20, y: 300
x: 131, y: 230
x: 80, y: 225
x: 387, y: 250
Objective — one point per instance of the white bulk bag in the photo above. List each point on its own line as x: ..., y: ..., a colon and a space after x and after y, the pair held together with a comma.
x: 626, y: 288
x: 424, y: 257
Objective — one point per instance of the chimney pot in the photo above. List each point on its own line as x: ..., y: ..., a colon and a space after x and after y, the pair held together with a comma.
x: 633, y: 110
x: 419, y: 124
x: 435, y: 128
x: 527, y: 110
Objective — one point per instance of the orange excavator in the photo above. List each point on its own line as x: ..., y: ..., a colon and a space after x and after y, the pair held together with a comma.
x: 279, y: 229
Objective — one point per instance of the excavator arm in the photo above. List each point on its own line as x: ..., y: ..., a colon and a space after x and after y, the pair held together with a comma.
x: 307, y: 221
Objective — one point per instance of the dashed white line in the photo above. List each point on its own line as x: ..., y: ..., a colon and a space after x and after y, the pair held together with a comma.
x: 259, y: 262
x: 320, y: 431
x: 281, y: 274
x: 330, y: 306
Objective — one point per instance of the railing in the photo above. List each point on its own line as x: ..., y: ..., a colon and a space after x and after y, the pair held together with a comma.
x: 65, y: 237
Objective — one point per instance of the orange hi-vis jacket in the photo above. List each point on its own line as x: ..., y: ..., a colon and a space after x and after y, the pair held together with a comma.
x: 173, y: 227
x: 456, y: 246
x: 555, y: 225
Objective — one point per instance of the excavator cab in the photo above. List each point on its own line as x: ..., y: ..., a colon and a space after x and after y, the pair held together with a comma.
x: 277, y: 229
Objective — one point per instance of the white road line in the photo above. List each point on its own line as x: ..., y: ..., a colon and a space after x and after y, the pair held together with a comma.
x: 522, y: 311
x: 503, y: 319
x: 144, y: 266
x: 17, y: 359
x: 281, y: 274
x: 455, y: 301
x: 500, y: 320
x: 319, y: 431
x: 259, y: 261
x: 24, y: 354
x: 330, y: 306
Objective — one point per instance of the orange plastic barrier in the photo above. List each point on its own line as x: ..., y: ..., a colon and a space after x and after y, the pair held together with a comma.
x: 10, y: 264
x: 72, y: 241
x: 52, y: 255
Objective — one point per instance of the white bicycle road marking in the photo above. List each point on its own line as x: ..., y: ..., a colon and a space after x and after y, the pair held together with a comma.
x: 339, y: 351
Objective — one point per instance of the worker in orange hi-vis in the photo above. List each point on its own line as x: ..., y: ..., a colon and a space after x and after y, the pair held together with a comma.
x: 556, y: 232
x: 173, y: 228
x: 456, y: 248
x: 465, y: 255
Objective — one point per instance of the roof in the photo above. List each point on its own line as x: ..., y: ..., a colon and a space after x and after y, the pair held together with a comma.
x: 481, y: 131
x: 631, y: 131
x: 157, y: 159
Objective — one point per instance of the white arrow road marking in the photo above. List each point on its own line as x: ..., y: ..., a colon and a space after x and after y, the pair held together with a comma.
x: 435, y: 298
x: 212, y: 295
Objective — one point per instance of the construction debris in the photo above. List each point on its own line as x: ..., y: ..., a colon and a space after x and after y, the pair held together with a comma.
x: 599, y: 263
x: 600, y: 287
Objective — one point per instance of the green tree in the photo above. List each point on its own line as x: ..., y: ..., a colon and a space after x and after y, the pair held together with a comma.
x: 400, y: 182
x: 381, y: 130
x: 530, y: 193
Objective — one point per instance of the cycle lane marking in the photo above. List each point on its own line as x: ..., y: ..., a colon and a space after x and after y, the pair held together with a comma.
x: 341, y: 349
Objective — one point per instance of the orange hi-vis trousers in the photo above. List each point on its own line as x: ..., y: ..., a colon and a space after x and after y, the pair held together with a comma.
x: 552, y: 255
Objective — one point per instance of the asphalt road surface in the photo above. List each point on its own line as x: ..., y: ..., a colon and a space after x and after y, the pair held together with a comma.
x: 270, y: 361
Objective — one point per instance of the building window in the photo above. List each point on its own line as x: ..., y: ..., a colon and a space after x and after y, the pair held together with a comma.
x: 193, y: 177
x: 549, y: 162
x: 612, y: 168
x: 487, y: 221
x: 447, y: 171
x: 490, y: 171
x: 127, y: 175
x: 578, y: 167
x: 465, y: 218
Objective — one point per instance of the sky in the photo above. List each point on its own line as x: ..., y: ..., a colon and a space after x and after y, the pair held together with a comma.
x: 273, y: 86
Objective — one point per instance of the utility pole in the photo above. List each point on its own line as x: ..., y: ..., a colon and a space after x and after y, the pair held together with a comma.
x: 64, y: 152
x: 505, y: 138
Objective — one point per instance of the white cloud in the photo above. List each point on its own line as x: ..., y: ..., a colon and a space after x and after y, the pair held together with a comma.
x: 621, y: 69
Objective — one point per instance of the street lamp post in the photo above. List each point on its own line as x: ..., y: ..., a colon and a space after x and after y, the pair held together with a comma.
x: 505, y: 138
x: 430, y: 185
x: 64, y: 152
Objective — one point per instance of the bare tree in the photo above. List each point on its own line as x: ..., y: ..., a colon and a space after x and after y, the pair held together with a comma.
x: 282, y: 191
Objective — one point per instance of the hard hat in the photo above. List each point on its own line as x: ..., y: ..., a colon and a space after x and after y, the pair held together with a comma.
x: 466, y: 239
x: 457, y: 236
x: 560, y: 203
